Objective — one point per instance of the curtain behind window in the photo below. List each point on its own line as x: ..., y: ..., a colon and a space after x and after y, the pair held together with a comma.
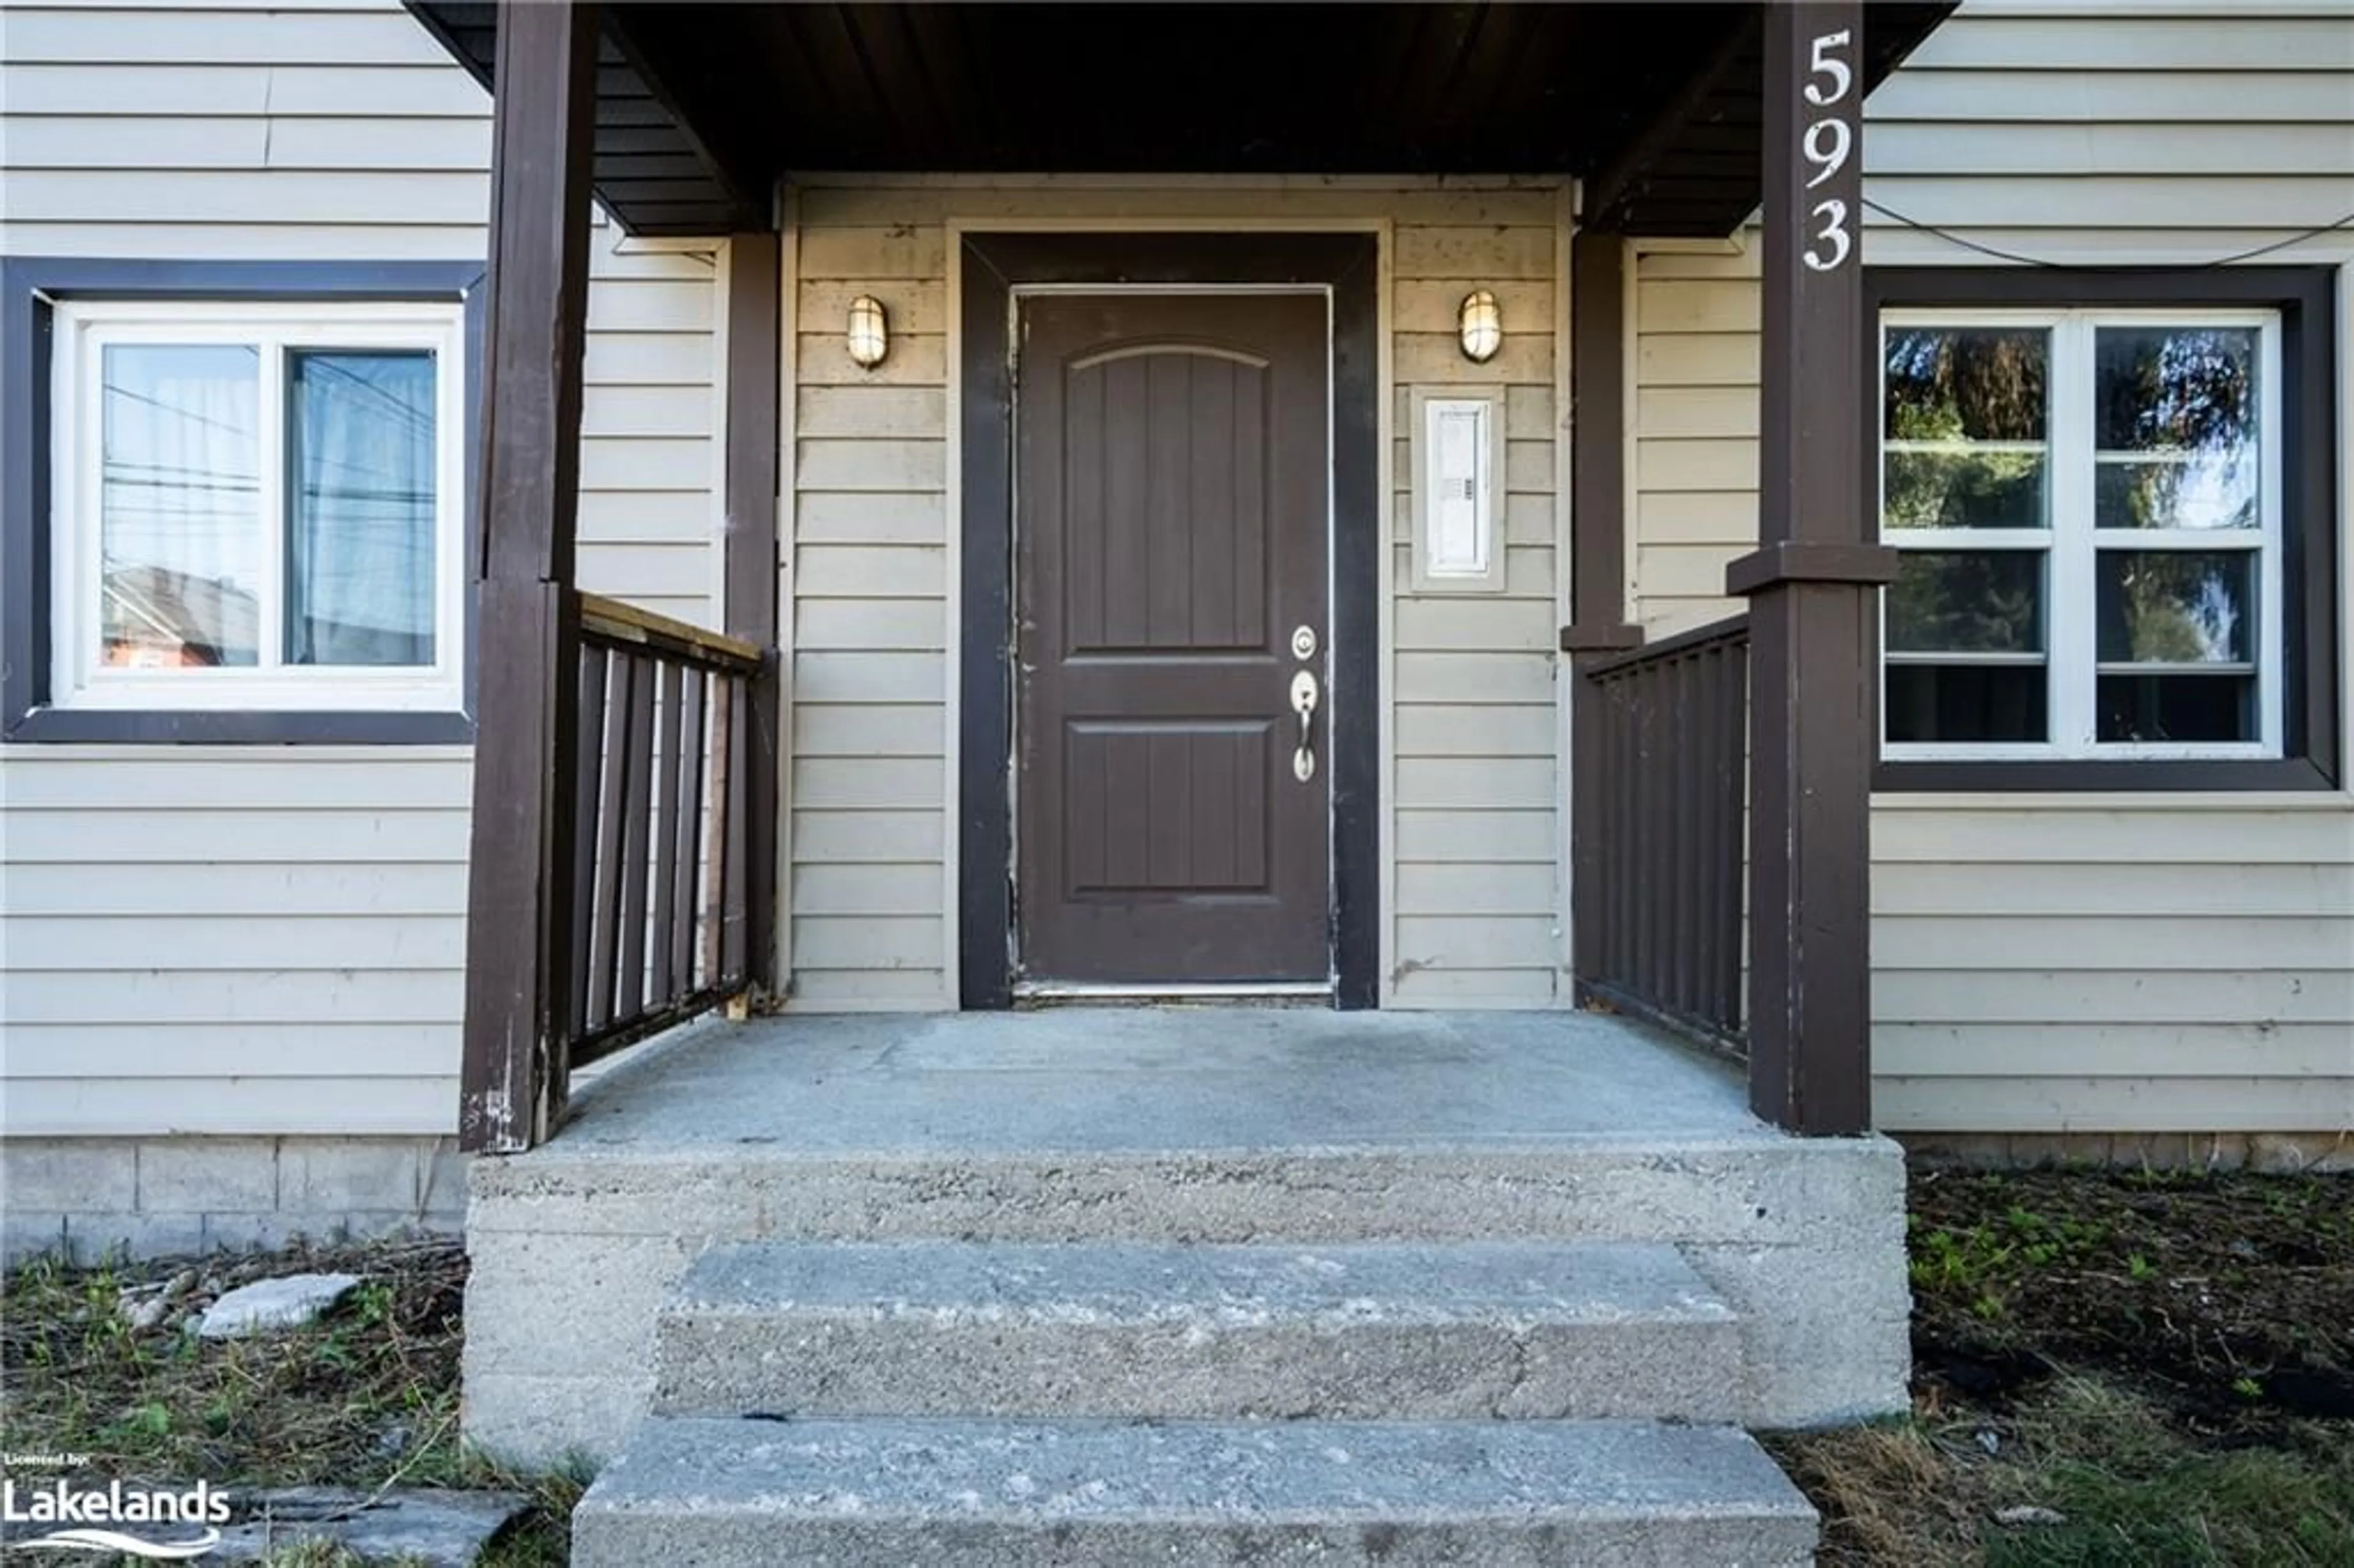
x: 360, y: 505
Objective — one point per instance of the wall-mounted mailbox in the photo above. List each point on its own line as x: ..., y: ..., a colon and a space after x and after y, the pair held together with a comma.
x: 1459, y: 489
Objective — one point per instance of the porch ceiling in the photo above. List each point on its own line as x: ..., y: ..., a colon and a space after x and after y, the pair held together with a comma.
x: 701, y: 108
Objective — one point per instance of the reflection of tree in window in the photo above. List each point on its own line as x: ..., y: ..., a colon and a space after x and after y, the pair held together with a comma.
x: 2173, y: 607
x: 2186, y: 396
x: 1966, y: 601
x: 1962, y: 389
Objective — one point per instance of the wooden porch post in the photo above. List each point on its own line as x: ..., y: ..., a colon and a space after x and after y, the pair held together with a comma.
x: 1810, y: 586
x: 753, y: 280
x: 519, y: 894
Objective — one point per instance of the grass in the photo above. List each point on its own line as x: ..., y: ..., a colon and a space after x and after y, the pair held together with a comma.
x: 367, y: 1398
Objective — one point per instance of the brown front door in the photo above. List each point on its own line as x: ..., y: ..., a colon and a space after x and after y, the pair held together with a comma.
x: 1172, y: 484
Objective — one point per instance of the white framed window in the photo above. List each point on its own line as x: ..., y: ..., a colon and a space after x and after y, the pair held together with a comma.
x: 258, y: 506
x: 2087, y: 507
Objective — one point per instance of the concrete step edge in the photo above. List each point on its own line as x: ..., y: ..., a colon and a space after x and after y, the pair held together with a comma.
x: 721, y: 1492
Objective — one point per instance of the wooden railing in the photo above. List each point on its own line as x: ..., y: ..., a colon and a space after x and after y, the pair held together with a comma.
x: 1664, y: 735
x: 659, y: 883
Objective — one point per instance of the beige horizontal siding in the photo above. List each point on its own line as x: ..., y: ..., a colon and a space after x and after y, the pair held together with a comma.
x: 2109, y: 964
x: 1475, y: 782
x: 225, y: 939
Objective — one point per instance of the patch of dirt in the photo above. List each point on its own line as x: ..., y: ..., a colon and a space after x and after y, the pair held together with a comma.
x: 2228, y: 1295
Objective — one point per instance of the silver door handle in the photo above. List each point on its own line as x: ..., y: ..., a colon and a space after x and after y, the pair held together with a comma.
x: 1303, y: 703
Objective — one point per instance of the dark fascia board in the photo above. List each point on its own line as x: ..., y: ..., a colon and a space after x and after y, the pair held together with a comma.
x: 30, y: 286
x: 2305, y: 297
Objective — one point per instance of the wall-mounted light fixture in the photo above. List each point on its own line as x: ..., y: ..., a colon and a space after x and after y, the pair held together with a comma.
x: 870, y: 331
x: 1481, y: 320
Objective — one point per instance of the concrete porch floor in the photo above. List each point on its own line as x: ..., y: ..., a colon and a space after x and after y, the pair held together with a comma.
x: 1201, y: 1078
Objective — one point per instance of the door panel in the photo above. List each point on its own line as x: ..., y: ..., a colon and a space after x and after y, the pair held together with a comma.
x: 1171, y: 531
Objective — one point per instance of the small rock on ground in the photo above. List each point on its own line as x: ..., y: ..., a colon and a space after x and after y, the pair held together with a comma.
x: 267, y: 1305
x: 406, y: 1525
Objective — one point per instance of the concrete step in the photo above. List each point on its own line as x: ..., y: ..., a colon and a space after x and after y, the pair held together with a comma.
x: 1458, y: 1330
x: 703, y: 1493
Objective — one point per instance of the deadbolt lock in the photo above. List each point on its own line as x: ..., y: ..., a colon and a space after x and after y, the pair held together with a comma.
x: 1303, y: 642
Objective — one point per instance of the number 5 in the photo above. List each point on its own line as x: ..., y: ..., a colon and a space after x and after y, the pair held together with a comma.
x: 1825, y: 64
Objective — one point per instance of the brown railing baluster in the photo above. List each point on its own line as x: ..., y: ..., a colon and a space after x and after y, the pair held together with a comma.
x: 605, y: 946
x: 630, y: 991
x: 734, y: 941
x: 670, y: 806
x: 723, y: 766
x: 589, y: 769
x: 688, y: 774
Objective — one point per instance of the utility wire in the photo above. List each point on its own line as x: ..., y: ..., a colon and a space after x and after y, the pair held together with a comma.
x: 2001, y: 255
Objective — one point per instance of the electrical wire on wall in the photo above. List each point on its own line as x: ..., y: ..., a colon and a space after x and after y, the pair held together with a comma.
x: 2001, y: 255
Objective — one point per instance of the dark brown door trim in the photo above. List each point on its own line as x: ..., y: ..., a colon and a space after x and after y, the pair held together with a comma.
x: 993, y: 265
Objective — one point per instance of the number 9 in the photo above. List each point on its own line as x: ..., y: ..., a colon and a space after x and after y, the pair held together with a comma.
x: 1830, y: 162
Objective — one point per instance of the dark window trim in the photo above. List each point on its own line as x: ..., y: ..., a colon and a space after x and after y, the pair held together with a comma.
x: 993, y: 264
x: 2306, y: 299
x: 30, y: 286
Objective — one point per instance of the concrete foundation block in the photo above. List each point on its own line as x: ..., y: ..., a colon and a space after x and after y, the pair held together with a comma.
x: 98, y: 1238
x: 63, y: 1175
x: 208, y: 1175
x: 26, y: 1235
x: 326, y: 1176
x: 441, y: 1182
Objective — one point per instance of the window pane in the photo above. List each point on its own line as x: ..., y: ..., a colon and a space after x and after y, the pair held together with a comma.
x: 1957, y: 384
x: 1966, y: 601
x: 2176, y: 607
x: 1951, y: 393
x: 180, y: 542
x: 2177, y: 707
x: 360, y: 498
x: 2196, y: 490
x: 1962, y: 490
x: 1967, y: 702
x: 2186, y: 397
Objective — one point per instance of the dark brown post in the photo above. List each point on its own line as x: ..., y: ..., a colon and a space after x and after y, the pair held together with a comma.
x: 1810, y: 587
x: 1597, y: 566
x: 520, y: 875
x: 751, y: 571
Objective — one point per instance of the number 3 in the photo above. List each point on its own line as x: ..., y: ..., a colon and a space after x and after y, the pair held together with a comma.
x: 1824, y: 64
x: 1833, y: 213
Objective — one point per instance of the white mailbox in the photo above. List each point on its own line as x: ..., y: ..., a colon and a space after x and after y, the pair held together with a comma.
x: 1459, y: 489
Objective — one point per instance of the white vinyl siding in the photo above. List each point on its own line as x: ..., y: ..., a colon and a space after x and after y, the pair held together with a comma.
x: 2115, y: 962
x: 271, y: 939
x: 1474, y: 782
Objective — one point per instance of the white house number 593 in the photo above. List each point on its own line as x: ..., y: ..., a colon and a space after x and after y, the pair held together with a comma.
x: 1829, y: 142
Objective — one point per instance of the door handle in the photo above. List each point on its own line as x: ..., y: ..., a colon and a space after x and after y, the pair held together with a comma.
x: 1303, y: 703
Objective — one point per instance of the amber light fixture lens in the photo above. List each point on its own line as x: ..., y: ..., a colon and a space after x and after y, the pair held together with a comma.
x: 1483, y: 320
x: 870, y: 331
